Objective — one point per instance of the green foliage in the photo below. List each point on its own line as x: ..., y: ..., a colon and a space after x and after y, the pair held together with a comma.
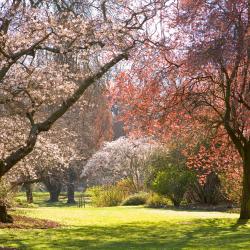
x: 231, y: 188
x: 162, y: 159
x: 157, y: 201
x: 169, y: 175
x: 173, y: 183
x: 106, y: 196
x: 135, y: 199
x: 113, y: 195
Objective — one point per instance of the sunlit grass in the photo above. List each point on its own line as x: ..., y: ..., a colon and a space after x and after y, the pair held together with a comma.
x: 41, y: 199
x: 130, y: 228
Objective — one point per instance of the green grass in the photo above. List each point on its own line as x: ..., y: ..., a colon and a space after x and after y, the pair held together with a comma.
x: 129, y: 228
x: 41, y: 199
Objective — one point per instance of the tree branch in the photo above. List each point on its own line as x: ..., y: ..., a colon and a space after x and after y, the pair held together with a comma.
x: 36, y: 129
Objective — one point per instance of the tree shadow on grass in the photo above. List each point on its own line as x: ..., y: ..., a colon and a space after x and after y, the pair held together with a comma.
x: 239, y: 224
x: 192, y: 234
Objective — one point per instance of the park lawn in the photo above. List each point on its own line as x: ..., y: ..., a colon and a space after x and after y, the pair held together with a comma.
x: 129, y: 228
x: 41, y: 198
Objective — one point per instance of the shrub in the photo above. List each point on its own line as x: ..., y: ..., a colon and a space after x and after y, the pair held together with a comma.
x: 106, y: 196
x: 135, y: 199
x: 232, y: 187
x: 168, y: 174
x: 173, y: 183
x: 127, y: 186
x: 157, y: 201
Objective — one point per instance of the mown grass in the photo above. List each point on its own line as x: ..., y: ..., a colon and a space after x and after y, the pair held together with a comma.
x: 41, y: 200
x: 129, y: 228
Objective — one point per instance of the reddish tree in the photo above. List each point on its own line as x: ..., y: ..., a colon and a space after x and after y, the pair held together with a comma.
x: 208, y: 85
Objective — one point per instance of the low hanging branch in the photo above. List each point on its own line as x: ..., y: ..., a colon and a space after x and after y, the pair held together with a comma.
x: 23, y: 182
x: 36, y: 128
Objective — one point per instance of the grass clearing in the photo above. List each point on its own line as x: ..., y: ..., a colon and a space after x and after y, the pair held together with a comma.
x: 41, y: 198
x: 129, y: 228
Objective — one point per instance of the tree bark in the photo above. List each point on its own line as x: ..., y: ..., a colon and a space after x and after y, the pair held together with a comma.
x: 54, y: 195
x: 71, y: 193
x: 29, y: 194
x: 245, y: 199
x: 4, y: 216
x: 54, y: 187
x: 37, y: 128
x: 71, y: 179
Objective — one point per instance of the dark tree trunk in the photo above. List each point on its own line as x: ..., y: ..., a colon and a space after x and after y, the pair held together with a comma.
x: 245, y: 199
x: 28, y: 190
x: 4, y: 216
x: 176, y: 203
x: 54, y: 187
x: 71, y: 186
x: 71, y: 193
x: 211, y: 189
x: 54, y: 194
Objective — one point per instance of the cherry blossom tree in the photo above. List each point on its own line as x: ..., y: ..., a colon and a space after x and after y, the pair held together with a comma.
x: 122, y: 158
x: 57, y: 160
x: 37, y: 39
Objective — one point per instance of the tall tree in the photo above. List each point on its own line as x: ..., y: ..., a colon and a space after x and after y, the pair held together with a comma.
x: 31, y: 77
x: 122, y: 158
x: 203, y: 83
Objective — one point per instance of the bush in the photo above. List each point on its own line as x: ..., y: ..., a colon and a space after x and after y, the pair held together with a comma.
x: 157, y: 201
x: 168, y: 174
x: 173, y: 183
x: 106, y: 196
x: 127, y: 186
x: 135, y: 199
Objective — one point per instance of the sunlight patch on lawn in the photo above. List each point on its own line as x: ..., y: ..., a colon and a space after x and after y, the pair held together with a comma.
x: 138, y: 228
